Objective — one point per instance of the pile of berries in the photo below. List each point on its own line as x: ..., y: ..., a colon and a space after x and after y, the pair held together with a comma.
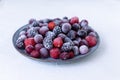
x: 57, y: 38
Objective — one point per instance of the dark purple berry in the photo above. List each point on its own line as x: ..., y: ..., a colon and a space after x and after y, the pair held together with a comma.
x: 64, y: 56
x: 22, y: 33
x: 31, y: 21
x: 75, y: 42
x: 71, y: 34
x: 20, y: 44
x: 62, y: 35
x: 84, y: 23
x: 57, y: 30
x: 67, y: 46
x: 76, y: 50
x: 65, y: 17
x: 82, y: 33
x: 38, y: 46
x: 38, y: 38
x: 48, y: 43
x: 76, y: 26
x: 66, y: 27
x: 78, y: 39
x: 44, y: 53
x: 43, y: 30
x: 31, y: 32
x: 92, y: 34
x: 67, y: 39
x: 83, y: 42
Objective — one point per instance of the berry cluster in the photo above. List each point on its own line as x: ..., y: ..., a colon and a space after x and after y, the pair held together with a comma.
x: 57, y: 38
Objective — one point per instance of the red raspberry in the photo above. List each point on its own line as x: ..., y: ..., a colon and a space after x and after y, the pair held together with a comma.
x: 74, y: 20
x: 51, y: 25
x: 58, y: 42
x: 92, y: 41
x: 71, y: 54
x: 64, y: 56
x: 54, y: 53
x: 29, y: 48
x: 35, y: 54
x: 29, y: 41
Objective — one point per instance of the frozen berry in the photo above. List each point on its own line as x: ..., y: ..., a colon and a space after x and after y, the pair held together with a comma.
x: 35, y: 24
x: 65, y: 17
x: 58, y: 42
x: 54, y: 53
x: 31, y: 21
x: 43, y: 30
x: 83, y: 42
x: 75, y: 42
x: 92, y: 34
x: 22, y: 37
x: 88, y: 29
x: 65, y: 21
x: 19, y: 44
x: 35, y: 54
x: 31, y: 32
x: 67, y: 39
x: 84, y: 23
x: 57, y: 30
x: 66, y: 27
x: 38, y: 38
x: 51, y: 25
x: 50, y: 34
x: 92, y: 41
x: 71, y: 54
x: 44, y: 53
x: 46, y: 20
x: 76, y: 26
x: 82, y: 33
x: 62, y: 35
x: 83, y: 49
x: 74, y: 20
x: 76, y: 50
x: 29, y: 41
x: 38, y: 46
x: 22, y: 33
x: 71, y: 34
x: 64, y: 56
x: 67, y: 46
x: 78, y: 39
x: 29, y: 48
x: 57, y: 22
x: 47, y: 42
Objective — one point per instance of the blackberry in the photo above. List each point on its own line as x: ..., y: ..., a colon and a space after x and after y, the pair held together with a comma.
x: 20, y: 44
x: 67, y: 46
x: 71, y: 34
x: 35, y: 24
x: 57, y: 30
x: 50, y: 34
x: 47, y: 42
x: 31, y: 32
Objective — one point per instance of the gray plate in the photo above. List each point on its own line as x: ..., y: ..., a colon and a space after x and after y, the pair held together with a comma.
x: 16, y: 34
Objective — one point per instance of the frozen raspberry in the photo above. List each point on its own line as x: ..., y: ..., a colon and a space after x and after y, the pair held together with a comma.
x: 54, y: 53
x: 35, y: 54
x: 29, y: 41
x: 38, y: 46
x: 43, y: 30
x: 51, y: 25
x: 64, y: 56
x: 84, y: 23
x: 76, y: 26
x: 82, y: 33
x: 58, y: 42
x: 76, y: 50
x: 71, y: 54
x: 67, y: 46
x: 29, y: 48
x: 83, y: 42
x: 57, y: 30
x: 50, y: 34
x: 66, y: 27
x: 44, y: 53
x: 92, y: 41
x: 74, y: 20
x: 47, y: 42
x: 83, y: 49
x: 62, y: 35
x: 71, y: 34
x: 38, y: 38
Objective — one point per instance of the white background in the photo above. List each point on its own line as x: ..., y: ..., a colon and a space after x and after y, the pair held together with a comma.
x: 103, y: 16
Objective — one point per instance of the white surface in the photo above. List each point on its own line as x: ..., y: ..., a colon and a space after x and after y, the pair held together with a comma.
x: 103, y: 15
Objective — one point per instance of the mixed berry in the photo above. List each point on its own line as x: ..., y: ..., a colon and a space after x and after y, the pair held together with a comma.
x: 57, y: 38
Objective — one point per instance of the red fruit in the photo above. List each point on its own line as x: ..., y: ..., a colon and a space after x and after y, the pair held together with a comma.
x: 64, y: 56
x: 54, y: 53
x: 92, y: 41
x: 58, y: 42
x: 74, y: 20
x: 29, y: 41
x: 29, y: 48
x: 71, y: 54
x: 51, y: 25
x: 35, y: 54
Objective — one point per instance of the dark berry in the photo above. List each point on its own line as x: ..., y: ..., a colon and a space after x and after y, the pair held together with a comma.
x: 66, y: 27
x: 67, y: 39
x: 47, y: 42
x: 71, y: 34
x: 54, y: 53
x: 92, y: 34
x: 64, y: 56
x: 62, y: 35
x: 22, y: 33
x: 29, y: 48
x: 57, y: 30
x: 38, y: 46
x: 76, y: 26
x: 83, y: 42
x: 67, y: 46
x: 43, y: 30
x: 20, y: 44
x: 83, y: 49
x: 58, y: 42
x: 82, y: 33
x: 35, y: 54
x: 38, y: 38
x: 76, y: 50
x: 31, y: 21
x: 92, y: 41
x: 84, y: 23
x: 65, y: 17
x: 31, y: 32
x: 44, y: 53
x: 71, y: 54
x: 75, y: 42
x: 50, y: 34
x: 74, y: 20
